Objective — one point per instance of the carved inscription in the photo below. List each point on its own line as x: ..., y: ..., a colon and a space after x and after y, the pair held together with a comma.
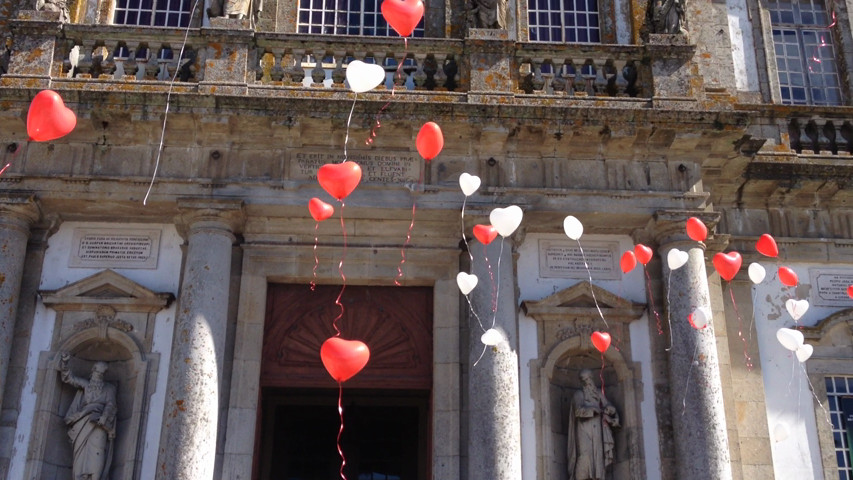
x: 558, y: 259
x: 830, y: 287
x: 115, y: 249
x: 376, y: 167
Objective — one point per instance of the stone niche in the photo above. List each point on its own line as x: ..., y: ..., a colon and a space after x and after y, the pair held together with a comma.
x: 565, y: 321
x: 105, y: 317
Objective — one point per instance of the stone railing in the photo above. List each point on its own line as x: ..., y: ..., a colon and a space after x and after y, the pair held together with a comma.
x: 812, y: 135
x: 581, y: 70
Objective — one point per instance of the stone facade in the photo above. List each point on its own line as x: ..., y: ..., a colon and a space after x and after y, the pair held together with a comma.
x: 632, y: 136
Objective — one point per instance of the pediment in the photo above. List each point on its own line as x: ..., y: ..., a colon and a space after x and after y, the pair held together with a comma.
x: 106, y: 288
x: 839, y: 324
x: 580, y: 300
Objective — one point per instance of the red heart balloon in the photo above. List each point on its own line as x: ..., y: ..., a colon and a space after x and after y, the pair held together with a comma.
x: 766, y: 246
x: 339, y: 179
x: 344, y: 358
x: 696, y: 229
x: 403, y: 15
x: 48, y: 118
x: 628, y: 261
x: 485, y: 233
x: 788, y: 277
x: 643, y: 253
x: 601, y: 341
x: 850, y: 291
x: 319, y: 209
x: 430, y: 140
x: 727, y: 264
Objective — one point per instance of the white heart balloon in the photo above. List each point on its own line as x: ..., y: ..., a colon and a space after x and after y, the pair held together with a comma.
x: 780, y: 432
x: 492, y: 337
x: 756, y: 273
x: 469, y: 183
x: 804, y: 352
x: 676, y: 258
x: 797, y: 308
x: 363, y: 77
x: 790, y: 338
x: 466, y: 282
x: 573, y: 227
x: 699, y: 318
x: 506, y: 220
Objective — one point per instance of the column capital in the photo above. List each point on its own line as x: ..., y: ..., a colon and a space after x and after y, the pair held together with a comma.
x: 669, y: 228
x: 211, y: 214
x: 19, y: 210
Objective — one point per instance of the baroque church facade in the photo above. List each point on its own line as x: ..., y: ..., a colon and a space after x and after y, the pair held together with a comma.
x: 165, y: 292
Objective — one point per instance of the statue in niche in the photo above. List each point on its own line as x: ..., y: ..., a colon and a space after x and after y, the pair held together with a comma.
x: 668, y: 17
x: 487, y: 14
x: 236, y: 9
x: 591, y: 420
x: 60, y: 6
x: 91, y: 421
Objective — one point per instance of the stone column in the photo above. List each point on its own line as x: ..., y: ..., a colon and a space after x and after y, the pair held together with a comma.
x: 494, y: 419
x: 17, y: 213
x: 191, y: 414
x: 698, y: 413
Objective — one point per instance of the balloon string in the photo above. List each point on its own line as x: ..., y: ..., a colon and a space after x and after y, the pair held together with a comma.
x: 343, y: 277
x: 464, y: 238
x: 349, y: 120
x: 397, y: 74
x: 481, y: 355
x: 168, y: 103
x: 497, y: 286
x: 652, y: 300
x: 316, y: 259
x: 12, y: 159
x: 591, y: 289
x: 669, y: 309
x: 471, y: 306
x: 812, y: 390
x: 405, y: 246
x: 601, y: 380
x: 740, y: 330
x: 687, y: 383
x: 341, y: 430
x: 491, y: 279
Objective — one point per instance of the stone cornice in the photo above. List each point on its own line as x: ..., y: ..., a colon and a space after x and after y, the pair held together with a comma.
x: 225, y: 215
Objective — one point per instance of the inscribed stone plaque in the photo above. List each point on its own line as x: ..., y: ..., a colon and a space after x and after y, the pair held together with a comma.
x: 109, y: 248
x: 558, y: 259
x: 829, y: 287
x: 376, y: 166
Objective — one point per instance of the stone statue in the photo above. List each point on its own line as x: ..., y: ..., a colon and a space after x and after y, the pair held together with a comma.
x: 60, y: 6
x: 591, y: 418
x: 668, y: 17
x: 487, y: 13
x: 236, y: 9
x: 91, y: 421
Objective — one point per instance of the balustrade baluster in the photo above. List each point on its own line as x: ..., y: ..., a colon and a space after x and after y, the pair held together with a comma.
x: 277, y: 70
x: 318, y: 73
x: 600, y: 82
x: 538, y: 81
x: 296, y: 71
x: 339, y: 75
x: 84, y: 62
x: 619, y: 82
x: 419, y: 76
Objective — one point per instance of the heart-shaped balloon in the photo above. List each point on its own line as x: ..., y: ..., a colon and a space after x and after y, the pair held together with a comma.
x: 696, y: 229
x: 492, y: 337
x: 676, y: 258
x: 469, y: 183
x: 600, y: 340
x: 319, y: 209
x: 788, y: 277
x: 466, y: 282
x: 573, y: 227
x: 699, y: 318
x: 363, y: 77
x: 790, y: 338
x: 766, y: 245
x: 850, y: 291
x: 430, y: 140
x: 727, y: 264
x: 48, y: 118
x: 339, y: 179
x: 485, y: 233
x: 797, y: 308
x: 756, y: 273
x: 643, y: 253
x: 804, y: 352
x: 506, y: 220
x: 344, y: 358
x: 628, y: 261
x: 403, y: 15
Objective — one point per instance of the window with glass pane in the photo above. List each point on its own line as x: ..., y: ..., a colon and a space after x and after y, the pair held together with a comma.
x: 570, y: 21
x: 346, y: 17
x: 153, y: 13
x: 836, y: 389
x: 805, y: 53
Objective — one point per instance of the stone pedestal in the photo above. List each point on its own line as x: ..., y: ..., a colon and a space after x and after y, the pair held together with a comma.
x: 17, y: 213
x: 698, y: 413
x: 227, y: 62
x: 494, y: 428
x: 31, y: 63
x: 491, y: 60
x: 191, y: 415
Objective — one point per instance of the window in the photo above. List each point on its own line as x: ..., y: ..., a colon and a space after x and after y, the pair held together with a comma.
x: 805, y: 54
x: 571, y: 21
x: 151, y: 13
x: 346, y: 17
x: 836, y: 389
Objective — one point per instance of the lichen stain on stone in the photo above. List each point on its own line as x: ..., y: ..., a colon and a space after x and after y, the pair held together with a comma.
x: 217, y: 47
x: 180, y: 404
x: 2, y: 279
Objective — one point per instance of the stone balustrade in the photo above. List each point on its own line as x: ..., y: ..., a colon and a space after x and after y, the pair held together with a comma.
x: 816, y: 135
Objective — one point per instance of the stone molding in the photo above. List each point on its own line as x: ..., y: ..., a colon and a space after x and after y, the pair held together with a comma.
x: 210, y: 215
x: 19, y: 211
